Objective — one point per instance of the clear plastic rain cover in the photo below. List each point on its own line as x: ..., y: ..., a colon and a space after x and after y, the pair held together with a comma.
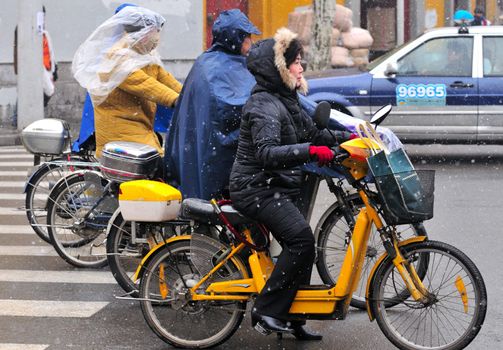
x: 120, y: 46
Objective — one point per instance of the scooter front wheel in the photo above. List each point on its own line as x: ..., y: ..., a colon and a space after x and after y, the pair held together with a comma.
x: 455, y: 307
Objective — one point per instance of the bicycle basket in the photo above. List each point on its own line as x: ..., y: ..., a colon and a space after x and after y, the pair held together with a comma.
x: 406, y: 197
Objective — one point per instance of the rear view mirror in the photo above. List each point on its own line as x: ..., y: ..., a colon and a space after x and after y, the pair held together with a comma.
x: 391, y: 69
x: 322, y: 115
x: 380, y: 115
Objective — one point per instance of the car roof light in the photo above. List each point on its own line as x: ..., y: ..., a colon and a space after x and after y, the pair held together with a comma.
x: 463, y: 29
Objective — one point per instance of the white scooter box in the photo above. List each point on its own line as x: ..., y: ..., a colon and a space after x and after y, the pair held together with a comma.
x: 149, y: 201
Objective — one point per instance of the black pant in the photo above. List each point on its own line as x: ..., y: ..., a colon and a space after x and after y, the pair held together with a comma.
x: 295, y: 262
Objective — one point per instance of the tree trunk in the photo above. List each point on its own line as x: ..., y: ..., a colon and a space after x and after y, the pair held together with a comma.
x: 320, y: 50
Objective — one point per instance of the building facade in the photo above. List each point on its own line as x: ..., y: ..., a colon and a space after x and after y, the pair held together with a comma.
x: 187, y: 33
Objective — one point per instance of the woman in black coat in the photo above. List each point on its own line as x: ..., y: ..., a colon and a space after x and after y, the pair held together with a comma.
x: 276, y: 139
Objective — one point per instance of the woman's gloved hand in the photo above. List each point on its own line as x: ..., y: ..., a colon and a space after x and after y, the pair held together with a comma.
x: 322, y: 153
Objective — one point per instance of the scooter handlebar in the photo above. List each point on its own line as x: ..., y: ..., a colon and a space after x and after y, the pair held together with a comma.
x: 340, y: 154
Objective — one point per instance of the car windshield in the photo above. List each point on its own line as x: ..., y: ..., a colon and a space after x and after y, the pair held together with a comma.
x: 445, y: 56
x: 382, y: 58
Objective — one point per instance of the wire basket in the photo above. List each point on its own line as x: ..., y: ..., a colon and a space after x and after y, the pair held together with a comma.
x: 406, y: 197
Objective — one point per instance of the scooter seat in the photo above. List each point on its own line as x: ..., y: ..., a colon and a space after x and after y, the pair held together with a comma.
x: 202, y: 211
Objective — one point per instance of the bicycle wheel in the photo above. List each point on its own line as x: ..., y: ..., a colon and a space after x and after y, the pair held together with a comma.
x: 456, y: 306
x: 177, y: 320
x: 333, y: 241
x: 38, y: 187
x: 79, y: 241
x: 124, y: 256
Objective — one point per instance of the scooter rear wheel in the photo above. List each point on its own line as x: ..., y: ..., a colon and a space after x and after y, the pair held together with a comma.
x: 124, y: 256
x: 176, y: 319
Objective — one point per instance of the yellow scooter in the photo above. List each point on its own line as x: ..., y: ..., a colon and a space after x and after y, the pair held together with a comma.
x: 424, y: 294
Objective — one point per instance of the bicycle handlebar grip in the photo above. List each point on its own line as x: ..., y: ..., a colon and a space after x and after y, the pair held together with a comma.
x: 339, y: 154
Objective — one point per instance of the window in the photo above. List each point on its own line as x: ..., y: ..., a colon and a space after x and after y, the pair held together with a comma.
x: 450, y: 56
x: 493, y: 56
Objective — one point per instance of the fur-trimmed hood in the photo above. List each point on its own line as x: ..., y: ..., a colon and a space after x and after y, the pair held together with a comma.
x: 266, y: 61
x: 283, y: 38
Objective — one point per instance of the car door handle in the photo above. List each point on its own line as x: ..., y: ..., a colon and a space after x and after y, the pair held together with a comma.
x: 460, y: 84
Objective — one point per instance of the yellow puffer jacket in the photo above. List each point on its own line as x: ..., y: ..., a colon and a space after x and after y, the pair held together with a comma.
x: 129, y: 110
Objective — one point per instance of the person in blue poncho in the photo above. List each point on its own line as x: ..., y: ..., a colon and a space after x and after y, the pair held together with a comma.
x: 202, y: 139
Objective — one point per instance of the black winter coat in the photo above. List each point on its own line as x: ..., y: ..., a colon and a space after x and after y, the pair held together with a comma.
x: 275, y: 134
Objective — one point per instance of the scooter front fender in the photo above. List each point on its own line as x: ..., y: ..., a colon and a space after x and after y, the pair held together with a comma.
x: 370, y: 280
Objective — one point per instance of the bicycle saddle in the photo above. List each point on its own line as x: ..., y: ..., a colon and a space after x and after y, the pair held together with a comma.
x: 202, y: 211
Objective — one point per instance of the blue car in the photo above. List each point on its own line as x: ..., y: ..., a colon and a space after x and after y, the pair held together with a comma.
x: 446, y: 86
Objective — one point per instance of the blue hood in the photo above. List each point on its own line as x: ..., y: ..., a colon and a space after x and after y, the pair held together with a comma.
x: 230, y: 30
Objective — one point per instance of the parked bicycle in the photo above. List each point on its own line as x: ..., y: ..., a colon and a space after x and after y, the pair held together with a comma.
x: 82, y: 204
x: 49, y: 139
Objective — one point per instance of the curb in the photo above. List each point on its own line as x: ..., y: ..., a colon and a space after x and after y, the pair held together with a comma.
x: 455, y: 153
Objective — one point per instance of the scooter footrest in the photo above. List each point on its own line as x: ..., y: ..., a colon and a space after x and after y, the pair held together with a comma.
x: 315, y: 287
x: 259, y: 328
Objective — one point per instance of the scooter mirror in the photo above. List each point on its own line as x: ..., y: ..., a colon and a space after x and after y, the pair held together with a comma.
x: 380, y: 115
x: 322, y: 115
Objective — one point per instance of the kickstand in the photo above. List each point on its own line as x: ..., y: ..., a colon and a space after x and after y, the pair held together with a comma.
x: 279, y: 336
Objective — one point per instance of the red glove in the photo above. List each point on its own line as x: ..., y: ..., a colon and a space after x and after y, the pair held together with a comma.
x: 353, y: 136
x: 322, y: 153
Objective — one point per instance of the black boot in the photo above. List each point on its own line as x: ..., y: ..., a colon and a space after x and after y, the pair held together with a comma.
x: 266, y: 324
x: 302, y: 333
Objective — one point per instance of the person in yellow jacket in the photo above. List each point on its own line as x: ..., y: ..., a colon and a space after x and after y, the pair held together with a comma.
x: 123, y: 73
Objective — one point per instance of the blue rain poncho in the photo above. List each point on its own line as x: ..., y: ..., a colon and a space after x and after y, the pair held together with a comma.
x: 202, y: 139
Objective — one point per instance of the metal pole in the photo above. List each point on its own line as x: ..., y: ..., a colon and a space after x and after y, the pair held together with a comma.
x: 449, y: 13
x: 355, y: 6
x: 400, y: 22
x: 30, y: 66
x: 499, y: 12
x: 418, y: 15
